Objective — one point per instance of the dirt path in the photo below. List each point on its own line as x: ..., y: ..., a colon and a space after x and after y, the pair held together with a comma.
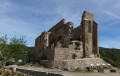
x: 66, y: 73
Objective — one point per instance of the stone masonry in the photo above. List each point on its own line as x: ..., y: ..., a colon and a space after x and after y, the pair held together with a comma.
x: 63, y: 43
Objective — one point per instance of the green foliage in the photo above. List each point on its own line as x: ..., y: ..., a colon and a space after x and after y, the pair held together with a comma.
x: 77, y: 45
x: 6, y: 73
x: 30, y: 50
x: 111, y: 56
x: 18, y: 46
x: 3, y: 47
x: 30, y: 54
x: 10, y: 62
x: 14, y: 49
x: 19, y: 74
x: 41, y: 57
x: 0, y: 72
x: 74, y: 56
x: 14, y: 72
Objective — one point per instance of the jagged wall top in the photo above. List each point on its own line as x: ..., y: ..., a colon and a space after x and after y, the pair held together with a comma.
x: 59, y: 24
x: 87, y: 16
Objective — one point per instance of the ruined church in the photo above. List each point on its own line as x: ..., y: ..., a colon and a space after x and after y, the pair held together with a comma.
x: 64, y: 45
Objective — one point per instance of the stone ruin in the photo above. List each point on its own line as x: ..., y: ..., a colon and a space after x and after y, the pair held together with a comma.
x: 65, y: 46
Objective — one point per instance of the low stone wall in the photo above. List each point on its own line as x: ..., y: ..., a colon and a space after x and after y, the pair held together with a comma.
x: 37, y: 73
x: 73, y: 63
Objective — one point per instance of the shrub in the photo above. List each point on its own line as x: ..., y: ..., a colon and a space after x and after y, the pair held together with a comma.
x: 77, y: 45
x: 13, y: 72
x: 6, y: 73
x: 42, y: 57
x: 74, y: 56
x: 10, y: 62
x: 0, y: 72
x: 20, y: 74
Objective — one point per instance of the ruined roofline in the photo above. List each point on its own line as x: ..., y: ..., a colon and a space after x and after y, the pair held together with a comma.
x: 87, y: 16
x: 43, y: 34
x: 61, y: 23
x: 40, y: 34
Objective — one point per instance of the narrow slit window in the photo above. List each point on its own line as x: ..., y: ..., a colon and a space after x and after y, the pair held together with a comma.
x: 90, y: 27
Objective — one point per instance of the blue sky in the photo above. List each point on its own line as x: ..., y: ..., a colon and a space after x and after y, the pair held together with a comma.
x: 31, y: 17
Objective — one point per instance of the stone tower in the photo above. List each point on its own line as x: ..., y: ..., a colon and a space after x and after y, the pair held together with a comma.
x: 89, y: 35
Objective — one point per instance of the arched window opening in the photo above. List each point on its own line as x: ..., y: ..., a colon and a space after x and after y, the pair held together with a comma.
x: 52, y: 44
x: 59, y: 41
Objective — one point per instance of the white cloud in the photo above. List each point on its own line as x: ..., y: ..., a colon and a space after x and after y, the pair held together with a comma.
x: 5, y: 5
x: 16, y: 26
x: 111, y: 24
x: 112, y: 14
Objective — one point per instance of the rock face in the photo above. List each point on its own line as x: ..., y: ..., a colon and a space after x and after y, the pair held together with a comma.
x: 63, y: 42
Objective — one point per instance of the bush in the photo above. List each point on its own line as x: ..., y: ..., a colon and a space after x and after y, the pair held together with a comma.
x: 74, y: 56
x: 0, y: 72
x: 21, y: 63
x: 19, y: 74
x: 42, y: 57
x: 10, y: 62
x: 13, y: 72
x: 6, y: 73
x: 77, y: 45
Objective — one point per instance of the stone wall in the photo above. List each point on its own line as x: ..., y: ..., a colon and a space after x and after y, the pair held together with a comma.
x: 95, y: 39
x: 68, y: 53
x: 77, y: 34
x: 41, y: 43
x: 87, y: 39
x: 89, y: 35
x: 73, y: 63
x: 62, y: 42
x: 37, y: 73
x: 58, y: 25
x: 60, y: 36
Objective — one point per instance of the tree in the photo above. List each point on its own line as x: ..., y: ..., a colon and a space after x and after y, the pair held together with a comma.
x: 3, y: 49
x: 15, y: 48
x: 30, y: 54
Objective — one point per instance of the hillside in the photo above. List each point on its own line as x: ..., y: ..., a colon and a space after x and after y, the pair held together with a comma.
x: 110, y: 55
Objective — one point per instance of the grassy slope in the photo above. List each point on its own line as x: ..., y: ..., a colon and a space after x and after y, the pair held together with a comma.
x: 110, y: 55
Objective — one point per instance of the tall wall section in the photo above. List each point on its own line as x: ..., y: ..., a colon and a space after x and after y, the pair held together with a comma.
x: 41, y: 43
x: 95, y: 39
x: 60, y: 33
x: 89, y: 35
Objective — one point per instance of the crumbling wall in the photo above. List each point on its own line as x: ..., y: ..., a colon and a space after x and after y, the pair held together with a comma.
x: 69, y: 53
x: 60, y: 34
x: 77, y: 34
x: 57, y: 26
x: 59, y: 42
x: 41, y: 43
